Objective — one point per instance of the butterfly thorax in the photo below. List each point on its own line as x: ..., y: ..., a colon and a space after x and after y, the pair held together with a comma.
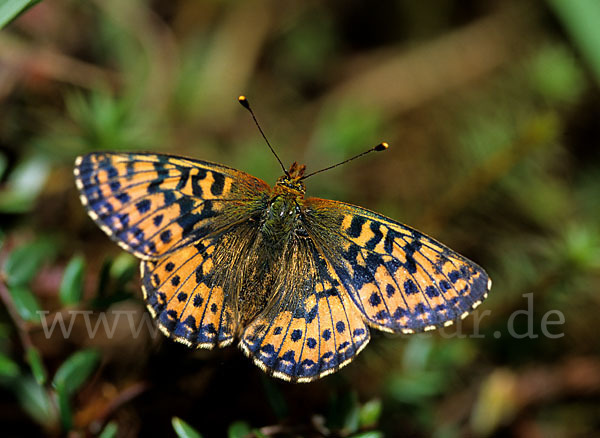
x: 283, y: 214
x: 281, y: 218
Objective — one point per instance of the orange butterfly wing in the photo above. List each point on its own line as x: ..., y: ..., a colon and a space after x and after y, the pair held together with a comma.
x: 154, y: 204
x: 399, y: 279
x: 310, y: 328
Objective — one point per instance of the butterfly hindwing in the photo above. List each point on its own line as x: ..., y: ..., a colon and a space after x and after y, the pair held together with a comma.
x: 399, y: 279
x: 311, y: 328
x: 187, y: 305
x: 194, y: 292
x: 154, y: 204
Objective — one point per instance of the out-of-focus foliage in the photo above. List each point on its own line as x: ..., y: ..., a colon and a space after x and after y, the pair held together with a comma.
x: 491, y: 110
x: 183, y: 429
x: 10, y: 9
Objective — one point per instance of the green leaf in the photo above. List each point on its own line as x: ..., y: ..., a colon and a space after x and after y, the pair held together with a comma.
x: 110, y: 430
x: 369, y: 434
x: 369, y: 413
x: 416, y: 387
x: 34, y: 400
x: 556, y: 75
x: 24, y: 262
x: 352, y: 418
x: 238, y: 429
x: 344, y: 412
x: 37, y: 366
x: 71, y: 287
x: 25, y: 302
x: 23, y: 185
x: 123, y: 268
x: 8, y: 368
x: 64, y: 407
x: 11, y: 9
x: 16, y: 201
x: 183, y: 429
x: 69, y: 377
x: 3, y: 164
x: 75, y: 371
x: 581, y: 247
x: 103, y: 278
x: 581, y: 18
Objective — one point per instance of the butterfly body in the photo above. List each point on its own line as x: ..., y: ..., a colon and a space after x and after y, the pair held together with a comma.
x: 298, y: 280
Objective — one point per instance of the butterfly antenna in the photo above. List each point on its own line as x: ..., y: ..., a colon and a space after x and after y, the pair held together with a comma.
x: 380, y: 147
x: 246, y: 104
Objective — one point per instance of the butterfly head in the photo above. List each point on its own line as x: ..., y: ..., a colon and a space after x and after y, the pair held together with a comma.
x: 292, y: 180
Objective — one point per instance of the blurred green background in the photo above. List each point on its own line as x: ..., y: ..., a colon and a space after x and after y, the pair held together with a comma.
x: 492, y: 113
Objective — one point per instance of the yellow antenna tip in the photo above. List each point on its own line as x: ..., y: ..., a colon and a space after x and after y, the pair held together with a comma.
x: 381, y: 147
x: 242, y: 99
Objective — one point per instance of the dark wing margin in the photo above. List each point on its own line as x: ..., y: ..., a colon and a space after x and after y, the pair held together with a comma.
x: 152, y: 204
x: 311, y: 328
x: 400, y: 279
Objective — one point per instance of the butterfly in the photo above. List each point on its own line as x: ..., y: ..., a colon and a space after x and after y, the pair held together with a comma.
x: 298, y: 280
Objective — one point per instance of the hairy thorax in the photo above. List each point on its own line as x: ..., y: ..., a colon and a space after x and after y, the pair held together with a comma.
x: 280, y: 225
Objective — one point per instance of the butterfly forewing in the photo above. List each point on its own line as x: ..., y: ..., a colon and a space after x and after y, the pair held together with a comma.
x: 399, y: 279
x: 154, y: 204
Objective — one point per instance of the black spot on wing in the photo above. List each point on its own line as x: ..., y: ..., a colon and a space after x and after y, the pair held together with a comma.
x: 112, y: 172
x: 432, y: 291
x: 356, y: 226
x: 296, y: 335
x: 123, y: 197
x: 143, y: 206
x: 218, y: 184
x: 183, y: 178
x: 410, y: 288
x: 165, y: 236
x: 390, y: 290
x: 198, y: 300
x: 168, y: 197
x: 377, y: 236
